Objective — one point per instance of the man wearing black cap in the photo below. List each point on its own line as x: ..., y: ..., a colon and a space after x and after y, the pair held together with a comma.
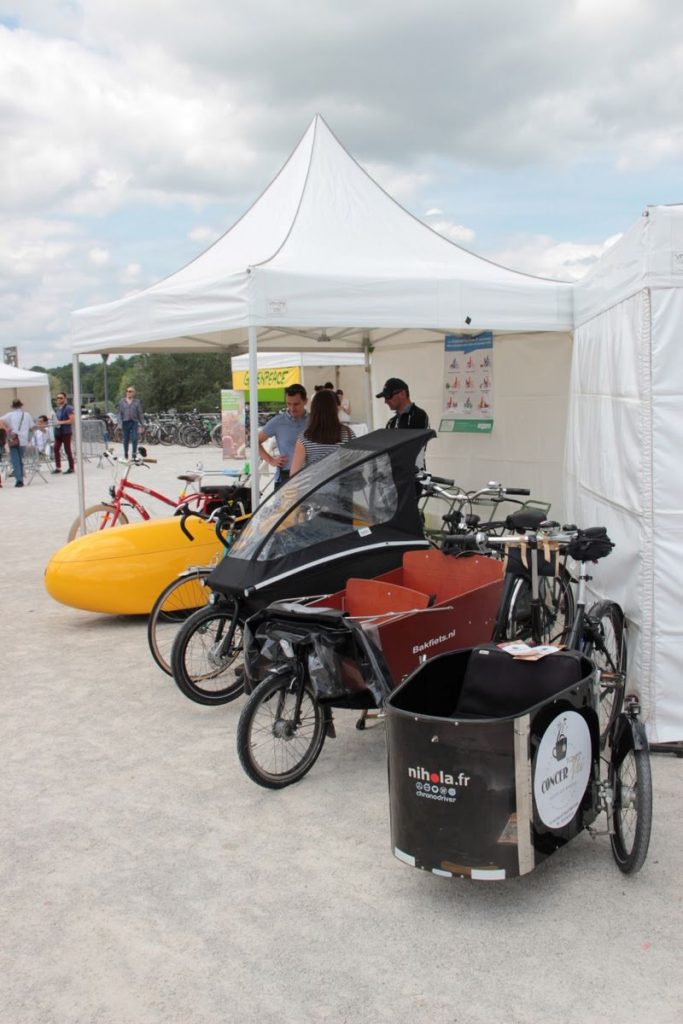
x: 407, y: 415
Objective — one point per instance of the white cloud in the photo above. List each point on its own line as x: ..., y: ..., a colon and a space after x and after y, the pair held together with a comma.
x: 130, y: 274
x: 204, y: 235
x: 546, y: 257
x: 457, y: 233
x: 99, y: 256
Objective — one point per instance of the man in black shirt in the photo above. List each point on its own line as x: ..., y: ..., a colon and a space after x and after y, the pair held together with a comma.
x: 407, y: 415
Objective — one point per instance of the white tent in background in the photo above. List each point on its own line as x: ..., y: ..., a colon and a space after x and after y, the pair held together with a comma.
x: 624, y: 440
x: 325, y: 255
x: 32, y: 388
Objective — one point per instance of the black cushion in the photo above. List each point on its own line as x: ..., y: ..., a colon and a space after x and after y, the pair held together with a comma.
x: 496, y: 685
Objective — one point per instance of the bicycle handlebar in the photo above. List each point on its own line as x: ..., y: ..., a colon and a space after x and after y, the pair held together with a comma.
x: 582, y: 545
x: 221, y: 518
x: 429, y: 478
x: 492, y: 489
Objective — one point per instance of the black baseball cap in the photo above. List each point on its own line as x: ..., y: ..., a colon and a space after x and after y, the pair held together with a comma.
x: 393, y: 385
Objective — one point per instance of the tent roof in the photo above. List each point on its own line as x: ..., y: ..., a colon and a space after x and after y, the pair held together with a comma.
x: 648, y: 255
x: 324, y: 247
x: 15, y: 377
x: 32, y: 388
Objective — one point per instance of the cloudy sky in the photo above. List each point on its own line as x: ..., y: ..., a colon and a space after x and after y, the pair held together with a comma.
x: 134, y: 132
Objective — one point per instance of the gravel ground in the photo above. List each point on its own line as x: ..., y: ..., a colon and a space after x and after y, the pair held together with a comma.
x: 145, y: 879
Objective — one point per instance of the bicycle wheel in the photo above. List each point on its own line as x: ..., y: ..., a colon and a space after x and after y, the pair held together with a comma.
x: 152, y: 433
x: 606, y: 646
x: 174, y: 605
x: 273, y: 748
x: 217, y: 435
x: 557, y: 609
x: 168, y: 433
x: 630, y: 779
x: 97, y: 517
x: 203, y: 655
x: 190, y: 436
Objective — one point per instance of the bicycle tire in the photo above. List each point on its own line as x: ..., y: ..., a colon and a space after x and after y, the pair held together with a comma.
x: 190, y: 436
x: 97, y: 517
x: 217, y: 435
x: 606, y: 647
x: 152, y: 433
x: 264, y: 732
x: 557, y: 609
x: 196, y: 658
x: 176, y: 602
x: 168, y: 434
x: 630, y: 778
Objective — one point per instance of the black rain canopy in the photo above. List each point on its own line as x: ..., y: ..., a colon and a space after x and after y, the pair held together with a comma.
x: 353, y: 513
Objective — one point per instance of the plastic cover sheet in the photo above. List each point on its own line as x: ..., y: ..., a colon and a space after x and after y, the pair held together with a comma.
x: 341, y: 659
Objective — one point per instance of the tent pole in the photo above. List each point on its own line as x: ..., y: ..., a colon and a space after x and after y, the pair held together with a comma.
x: 368, y: 382
x: 253, y: 417
x: 78, y: 432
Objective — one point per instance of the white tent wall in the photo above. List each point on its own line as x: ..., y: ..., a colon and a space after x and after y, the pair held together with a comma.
x: 351, y: 379
x: 531, y: 389
x: 624, y: 439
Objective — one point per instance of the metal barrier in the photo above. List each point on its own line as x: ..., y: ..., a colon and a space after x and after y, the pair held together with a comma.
x: 93, y: 441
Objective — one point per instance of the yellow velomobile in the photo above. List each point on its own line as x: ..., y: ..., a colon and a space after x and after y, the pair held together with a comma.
x: 122, y: 571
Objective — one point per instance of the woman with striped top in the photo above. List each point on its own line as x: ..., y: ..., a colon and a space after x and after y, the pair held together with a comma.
x: 323, y: 434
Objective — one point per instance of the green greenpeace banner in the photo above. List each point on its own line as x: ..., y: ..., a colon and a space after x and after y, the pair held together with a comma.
x: 466, y: 426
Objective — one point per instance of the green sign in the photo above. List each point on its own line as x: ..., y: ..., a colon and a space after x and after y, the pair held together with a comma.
x: 465, y: 426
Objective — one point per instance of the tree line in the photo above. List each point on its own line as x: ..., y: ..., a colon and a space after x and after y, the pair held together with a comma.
x: 162, y: 382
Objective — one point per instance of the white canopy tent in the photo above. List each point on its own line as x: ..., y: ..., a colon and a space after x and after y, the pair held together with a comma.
x: 624, y: 437
x: 31, y: 388
x: 324, y: 255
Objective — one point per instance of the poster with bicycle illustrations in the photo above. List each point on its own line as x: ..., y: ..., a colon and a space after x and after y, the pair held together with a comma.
x: 468, y: 384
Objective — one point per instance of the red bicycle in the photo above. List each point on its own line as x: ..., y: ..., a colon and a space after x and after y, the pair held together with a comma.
x: 111, y: 513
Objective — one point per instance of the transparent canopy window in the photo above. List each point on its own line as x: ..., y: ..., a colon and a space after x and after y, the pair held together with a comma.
x: 311, y: 508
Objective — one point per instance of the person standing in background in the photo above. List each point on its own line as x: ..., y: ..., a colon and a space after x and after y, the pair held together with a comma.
x: 407, y: 415
x: 323, y: 434
x: 19, y: 424
x: 285, y: 427
x: 64, y: 417
x: 130, y: 416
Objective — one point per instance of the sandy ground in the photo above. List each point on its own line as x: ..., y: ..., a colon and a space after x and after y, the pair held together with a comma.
x: 146, y: 879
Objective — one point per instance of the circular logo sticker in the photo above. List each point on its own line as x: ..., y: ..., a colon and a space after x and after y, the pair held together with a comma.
x: 563, y: 765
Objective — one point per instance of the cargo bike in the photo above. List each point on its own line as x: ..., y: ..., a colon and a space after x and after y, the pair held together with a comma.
x: 354, y: 514
x: 499, y: 755
x: 351, y: 648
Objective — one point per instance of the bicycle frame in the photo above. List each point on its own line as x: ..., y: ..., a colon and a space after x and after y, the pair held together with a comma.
x: 121, y: 495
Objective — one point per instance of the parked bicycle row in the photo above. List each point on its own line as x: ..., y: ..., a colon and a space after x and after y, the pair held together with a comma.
x: 331, y: 595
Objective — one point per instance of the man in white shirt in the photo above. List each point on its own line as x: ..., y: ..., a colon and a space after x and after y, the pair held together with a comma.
x: 18, y: 423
